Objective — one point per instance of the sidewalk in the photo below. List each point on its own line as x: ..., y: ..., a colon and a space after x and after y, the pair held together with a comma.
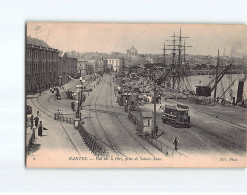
x: 58, y: 143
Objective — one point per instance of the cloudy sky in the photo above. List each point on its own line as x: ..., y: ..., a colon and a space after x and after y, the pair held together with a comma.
x: 147, y: 38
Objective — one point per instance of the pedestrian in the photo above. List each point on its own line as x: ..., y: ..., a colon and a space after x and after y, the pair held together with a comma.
x: 58, y: 113
x: 31, y: 122
x: 160, y: 107
x: 39, y: 91
x: 36, y: 119
x: 40, y: 129
x: 73, y: 106
x: 175, y: 142
x: 38, y: 112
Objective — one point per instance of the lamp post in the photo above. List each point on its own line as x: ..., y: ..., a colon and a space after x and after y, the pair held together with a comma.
x: 154, y: 99
x: 79, y: 99
x: 80, y: 95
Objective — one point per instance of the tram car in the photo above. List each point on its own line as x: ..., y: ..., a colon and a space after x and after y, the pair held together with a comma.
x: 123, y: 98
x: 144, y: 123
x: 176, y: 115
x: 132, y: 103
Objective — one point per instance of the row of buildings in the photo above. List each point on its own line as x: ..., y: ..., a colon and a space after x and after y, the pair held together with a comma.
x: 46, y: 66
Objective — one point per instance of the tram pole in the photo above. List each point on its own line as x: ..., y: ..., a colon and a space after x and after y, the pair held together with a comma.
x: 216, y: 76
x: 154, y: 99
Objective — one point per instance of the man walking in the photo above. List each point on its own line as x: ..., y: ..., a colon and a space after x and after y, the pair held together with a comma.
x: 36, y: 119
x: 175, y: 142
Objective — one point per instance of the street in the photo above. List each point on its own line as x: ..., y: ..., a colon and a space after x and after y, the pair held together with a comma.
x: 108, y: 121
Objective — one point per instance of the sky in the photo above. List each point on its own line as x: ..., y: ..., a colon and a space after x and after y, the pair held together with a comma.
x: 206, y: 39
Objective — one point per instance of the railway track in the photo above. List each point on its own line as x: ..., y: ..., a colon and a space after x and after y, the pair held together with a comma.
x: 97, y: 117
x: 95, y: 110
x: 124, y: 125
x: 51, y: 114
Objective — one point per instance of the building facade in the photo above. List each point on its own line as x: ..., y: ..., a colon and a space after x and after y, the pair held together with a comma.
x: 81, y: 66
x: 114, y: 63
x: 41, y: 65
x: 67, y: 66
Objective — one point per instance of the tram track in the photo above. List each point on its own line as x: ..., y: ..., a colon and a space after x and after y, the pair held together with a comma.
x: 125, y: 126
x: 95, y: 110
x: 48, y: 112
x: 96, y: 113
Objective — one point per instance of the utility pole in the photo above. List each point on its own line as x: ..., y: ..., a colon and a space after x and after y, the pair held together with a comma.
x: 154, y: 99
x: 80, y: 95
x: 216, y: 75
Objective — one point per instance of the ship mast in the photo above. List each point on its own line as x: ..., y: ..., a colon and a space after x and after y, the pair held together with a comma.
x: 177, y: 47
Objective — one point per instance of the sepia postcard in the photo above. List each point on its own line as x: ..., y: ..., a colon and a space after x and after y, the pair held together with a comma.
x: 123, y: 95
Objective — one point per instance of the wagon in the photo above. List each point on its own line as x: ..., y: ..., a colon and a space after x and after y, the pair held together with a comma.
x: 70, y: 95
x: 176, y: 115
x: 144, y: 123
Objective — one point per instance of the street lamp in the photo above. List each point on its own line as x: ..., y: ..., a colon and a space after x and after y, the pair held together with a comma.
x: 154, y: 99
x: 80, y: 95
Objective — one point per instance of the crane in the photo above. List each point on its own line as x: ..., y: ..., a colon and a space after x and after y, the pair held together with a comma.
x: 159, y: 81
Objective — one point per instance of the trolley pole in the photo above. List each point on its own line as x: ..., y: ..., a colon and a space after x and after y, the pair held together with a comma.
x: 216, y: 75
x: 155, y: 125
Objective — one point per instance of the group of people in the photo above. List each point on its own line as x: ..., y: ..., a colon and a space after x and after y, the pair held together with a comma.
x: 38, y: 124
x: 59, y: 112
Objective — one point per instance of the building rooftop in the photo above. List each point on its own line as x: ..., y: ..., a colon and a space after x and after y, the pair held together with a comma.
x: 114, y: 56
x: 37, y: 42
